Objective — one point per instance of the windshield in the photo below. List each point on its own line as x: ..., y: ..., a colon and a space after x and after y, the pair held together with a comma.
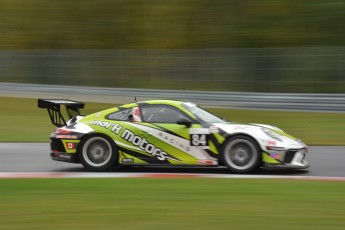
x: 201, y: 114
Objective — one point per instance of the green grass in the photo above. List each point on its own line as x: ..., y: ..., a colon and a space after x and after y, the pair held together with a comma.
x: 22, y: 121
x: 171, y: 204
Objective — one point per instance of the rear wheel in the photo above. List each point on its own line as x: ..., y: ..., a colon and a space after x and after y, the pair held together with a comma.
x: 241, y: 154
x: 97, y: 153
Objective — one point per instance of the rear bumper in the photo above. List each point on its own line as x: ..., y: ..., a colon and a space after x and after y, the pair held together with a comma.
x: 71, y: 158
x: 60, y: 150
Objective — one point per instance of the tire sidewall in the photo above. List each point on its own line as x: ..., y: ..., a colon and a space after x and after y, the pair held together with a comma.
x: 113, y: 161
x: 255, y: 165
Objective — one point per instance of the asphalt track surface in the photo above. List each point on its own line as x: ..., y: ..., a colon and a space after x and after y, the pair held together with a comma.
x: 326, y: 161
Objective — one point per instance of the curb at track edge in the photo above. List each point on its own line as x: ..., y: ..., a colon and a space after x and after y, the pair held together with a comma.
x: 33, y: 175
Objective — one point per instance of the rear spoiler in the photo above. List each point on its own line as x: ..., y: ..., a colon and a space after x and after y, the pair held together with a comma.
x: 53, y: 106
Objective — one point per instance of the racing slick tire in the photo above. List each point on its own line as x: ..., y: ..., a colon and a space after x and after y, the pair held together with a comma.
x: 97, y: 153
x: 241, y: 154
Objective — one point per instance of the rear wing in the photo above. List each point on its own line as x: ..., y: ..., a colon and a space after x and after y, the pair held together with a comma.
x: 53, y: 107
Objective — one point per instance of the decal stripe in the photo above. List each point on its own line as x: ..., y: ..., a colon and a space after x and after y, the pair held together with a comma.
x: 161, y: 128
x: 149, y: 125
x: 135, y: 149
x: 148, y: 130
x: 168, y: 131
x: 194, y: 152
x: 215, y: 142
x: 212, y: 154
x: 148, y: 159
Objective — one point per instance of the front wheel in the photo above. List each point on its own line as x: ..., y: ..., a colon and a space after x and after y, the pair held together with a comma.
x: 241, y: 154
x: 97, y: 153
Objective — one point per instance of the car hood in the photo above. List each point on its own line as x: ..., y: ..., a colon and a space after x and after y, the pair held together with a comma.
x: 257, y: 132
x: 231, y: 127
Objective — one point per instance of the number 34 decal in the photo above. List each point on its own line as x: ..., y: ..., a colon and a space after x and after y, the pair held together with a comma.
x: 199, y: 138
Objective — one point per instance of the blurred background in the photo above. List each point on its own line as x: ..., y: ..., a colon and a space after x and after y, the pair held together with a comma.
x: 226, y: 45
x: 235, y: 46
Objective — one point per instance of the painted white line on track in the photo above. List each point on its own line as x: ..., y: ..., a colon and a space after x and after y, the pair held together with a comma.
x: 9, y: 175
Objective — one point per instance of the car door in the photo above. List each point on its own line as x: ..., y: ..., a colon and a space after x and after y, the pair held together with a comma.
x: 169, y: 142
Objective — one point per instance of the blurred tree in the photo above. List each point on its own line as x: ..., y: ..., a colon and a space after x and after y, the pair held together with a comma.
x: 41, y: 24
x: 175, y: 43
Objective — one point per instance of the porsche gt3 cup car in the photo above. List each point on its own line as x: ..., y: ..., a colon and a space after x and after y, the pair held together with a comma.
x: 167, y: 132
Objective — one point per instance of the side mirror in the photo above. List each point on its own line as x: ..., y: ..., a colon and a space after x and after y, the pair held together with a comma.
x: 184, y: 122
x: 130, y: 117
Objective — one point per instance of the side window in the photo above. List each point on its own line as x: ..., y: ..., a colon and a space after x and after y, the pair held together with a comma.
x: 122, y: 115
x: 161, y: 114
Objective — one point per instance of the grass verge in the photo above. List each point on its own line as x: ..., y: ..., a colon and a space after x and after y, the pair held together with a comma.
x: 171, y: 204
x: 22, y: 121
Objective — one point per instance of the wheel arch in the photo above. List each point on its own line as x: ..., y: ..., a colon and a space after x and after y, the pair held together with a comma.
x: 92, y: 134
x: 240, y: 134
x: 237, y: 135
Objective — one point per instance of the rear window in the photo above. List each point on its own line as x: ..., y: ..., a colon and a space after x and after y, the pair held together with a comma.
x: 122, y: 115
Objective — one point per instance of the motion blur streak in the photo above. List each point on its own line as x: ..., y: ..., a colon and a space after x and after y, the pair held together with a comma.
x: 151, y: 24
x: 157, y: 175
x: 227, y: 45
x: 299, y: 70
x: 220, y: 99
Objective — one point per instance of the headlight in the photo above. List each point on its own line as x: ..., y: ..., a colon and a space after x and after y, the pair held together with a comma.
x: 272, y: 134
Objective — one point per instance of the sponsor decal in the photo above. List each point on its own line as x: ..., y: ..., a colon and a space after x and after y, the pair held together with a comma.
x: 62, y: 131
x: 199, y: 137
x: 138, y: 141
x: 65, y: 156
x: 127, y: 160
x: 271, y: 143
x: 214, y: 129
x: 115, y: 128
x: 173, y: 141
x: 276, y: 156
x: 70, y: 145
x: 144, y: 145
x: 66, y: 136
x: 121, y: 115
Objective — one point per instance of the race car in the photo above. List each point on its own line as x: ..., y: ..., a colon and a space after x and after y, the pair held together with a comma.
x: 167, y: 133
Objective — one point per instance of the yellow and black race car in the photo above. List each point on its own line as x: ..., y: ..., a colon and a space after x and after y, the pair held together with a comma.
x: 167, y: 132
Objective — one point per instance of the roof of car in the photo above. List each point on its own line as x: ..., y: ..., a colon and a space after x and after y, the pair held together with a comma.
x: 153, y: 102
x: 164, y: 101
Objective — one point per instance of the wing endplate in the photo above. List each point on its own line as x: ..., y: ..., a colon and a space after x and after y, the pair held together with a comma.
x: 53, y: 107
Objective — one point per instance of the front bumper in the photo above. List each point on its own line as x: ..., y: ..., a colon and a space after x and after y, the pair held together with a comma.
x: 268, y: 166
x: 290, y: 159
